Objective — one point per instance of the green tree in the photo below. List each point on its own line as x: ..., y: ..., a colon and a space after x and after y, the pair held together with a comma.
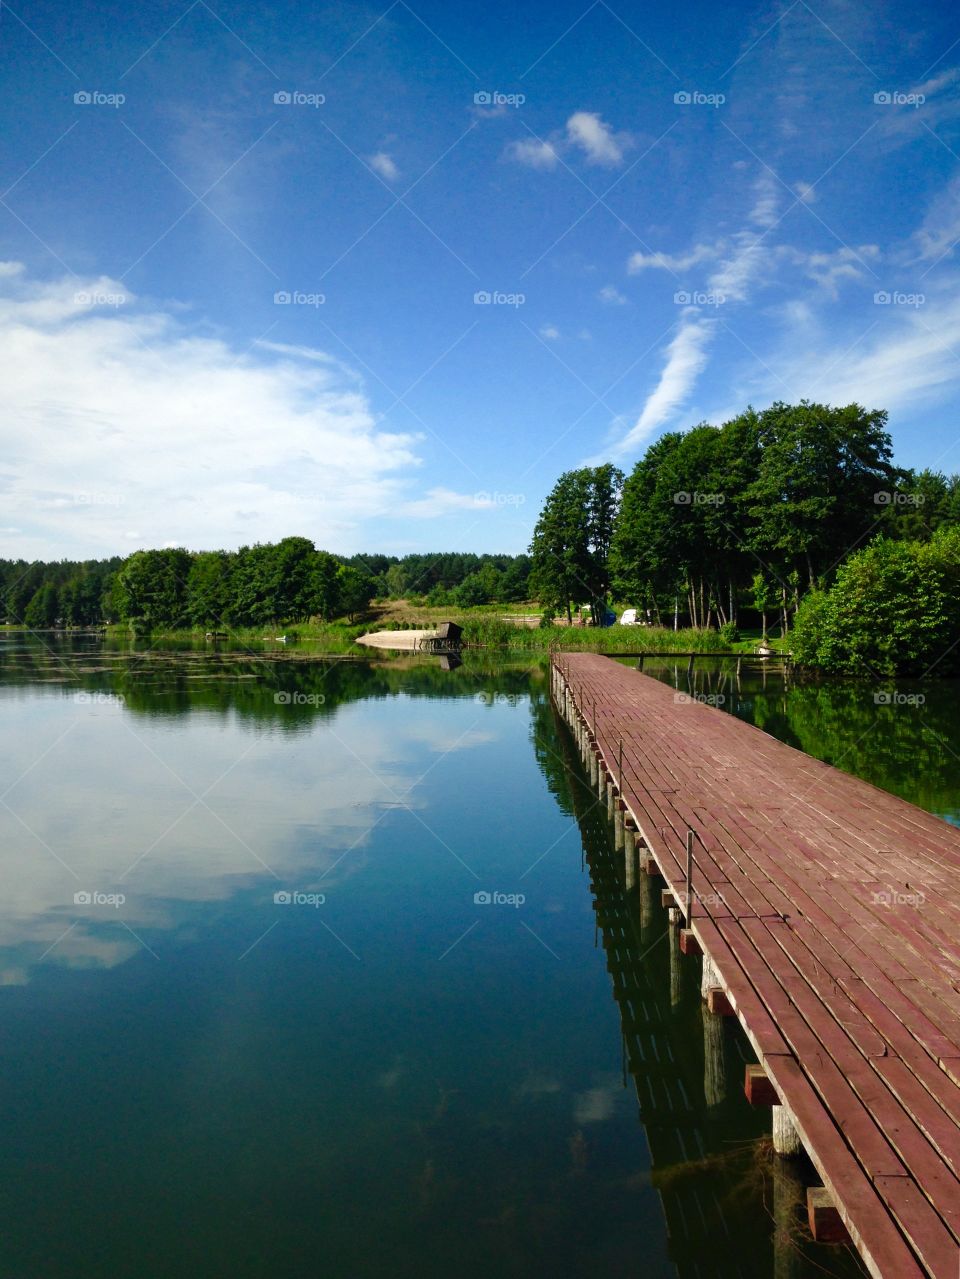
x: 355, y: 590
x: 571, y: 541
x: 44, y: 608
x: 151, y: 588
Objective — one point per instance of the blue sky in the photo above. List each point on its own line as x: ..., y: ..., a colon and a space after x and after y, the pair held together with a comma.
x: 673, y: 211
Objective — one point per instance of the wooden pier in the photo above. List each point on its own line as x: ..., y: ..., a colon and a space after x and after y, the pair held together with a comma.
x: 827, y: 913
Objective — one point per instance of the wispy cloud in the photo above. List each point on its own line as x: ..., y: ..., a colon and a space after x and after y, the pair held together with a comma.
x: 384, y: 165
x: 674, y: 262
x: 686, y: 358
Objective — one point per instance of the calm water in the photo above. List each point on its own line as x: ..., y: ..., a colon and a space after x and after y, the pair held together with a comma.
x: 902, y: 736
x: 382, y: 1076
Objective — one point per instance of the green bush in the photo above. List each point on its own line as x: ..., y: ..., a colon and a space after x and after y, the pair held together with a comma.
x: 894, y: 609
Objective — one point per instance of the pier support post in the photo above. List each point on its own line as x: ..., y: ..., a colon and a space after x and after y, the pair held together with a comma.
x: 787, y: 1200
x: 647, y: 910
x: 710, y: 976
x: 618, y: 841
x: 629, y: 857
x: 676, y: 959
x: 714, y: 1065
x: 786, y: 1139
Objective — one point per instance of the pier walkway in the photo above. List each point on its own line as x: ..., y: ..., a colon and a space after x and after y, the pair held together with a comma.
x: 828, y: 916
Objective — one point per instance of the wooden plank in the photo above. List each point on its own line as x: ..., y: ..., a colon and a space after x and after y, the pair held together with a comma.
x: 831, y: 911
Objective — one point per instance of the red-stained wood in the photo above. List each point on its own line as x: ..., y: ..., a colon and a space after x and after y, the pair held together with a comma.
x: 830, y: 911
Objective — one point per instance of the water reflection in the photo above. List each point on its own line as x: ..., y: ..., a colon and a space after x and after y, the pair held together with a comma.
x: 712, y: 1160
x: 903, y: 737
x: 138, y: 786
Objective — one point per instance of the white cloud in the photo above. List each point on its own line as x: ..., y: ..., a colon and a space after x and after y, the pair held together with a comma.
x: 550, y: 333
x: 670, y: 261
x: 115, y: 420
x: 829, y: 270
x: 939, y: 232
x: 612, y: 296
x: 805, y: 191
x: 596, y: 139
x: 584, y: 131
x: 383, y: 164
x: 686, y: 357
x: 442, y: 501
x: 534, y: 152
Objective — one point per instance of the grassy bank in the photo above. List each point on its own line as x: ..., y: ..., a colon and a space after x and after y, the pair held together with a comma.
x: 482, y: 628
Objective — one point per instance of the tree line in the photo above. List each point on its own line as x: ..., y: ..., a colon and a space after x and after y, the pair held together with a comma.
x: 755, y: 513
x: 286, y: 581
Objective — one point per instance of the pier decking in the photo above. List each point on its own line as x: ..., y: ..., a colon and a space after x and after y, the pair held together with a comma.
x: 828, y: 915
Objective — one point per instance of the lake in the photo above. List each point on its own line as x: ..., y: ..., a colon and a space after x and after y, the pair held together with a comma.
x: 328, y: 967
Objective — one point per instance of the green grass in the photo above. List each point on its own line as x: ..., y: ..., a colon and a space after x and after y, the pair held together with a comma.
x: 484, y: 628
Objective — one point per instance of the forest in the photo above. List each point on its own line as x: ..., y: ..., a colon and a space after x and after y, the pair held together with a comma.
x: 785, y: 515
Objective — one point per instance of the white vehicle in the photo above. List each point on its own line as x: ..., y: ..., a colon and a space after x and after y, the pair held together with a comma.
x: 629, y: 618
